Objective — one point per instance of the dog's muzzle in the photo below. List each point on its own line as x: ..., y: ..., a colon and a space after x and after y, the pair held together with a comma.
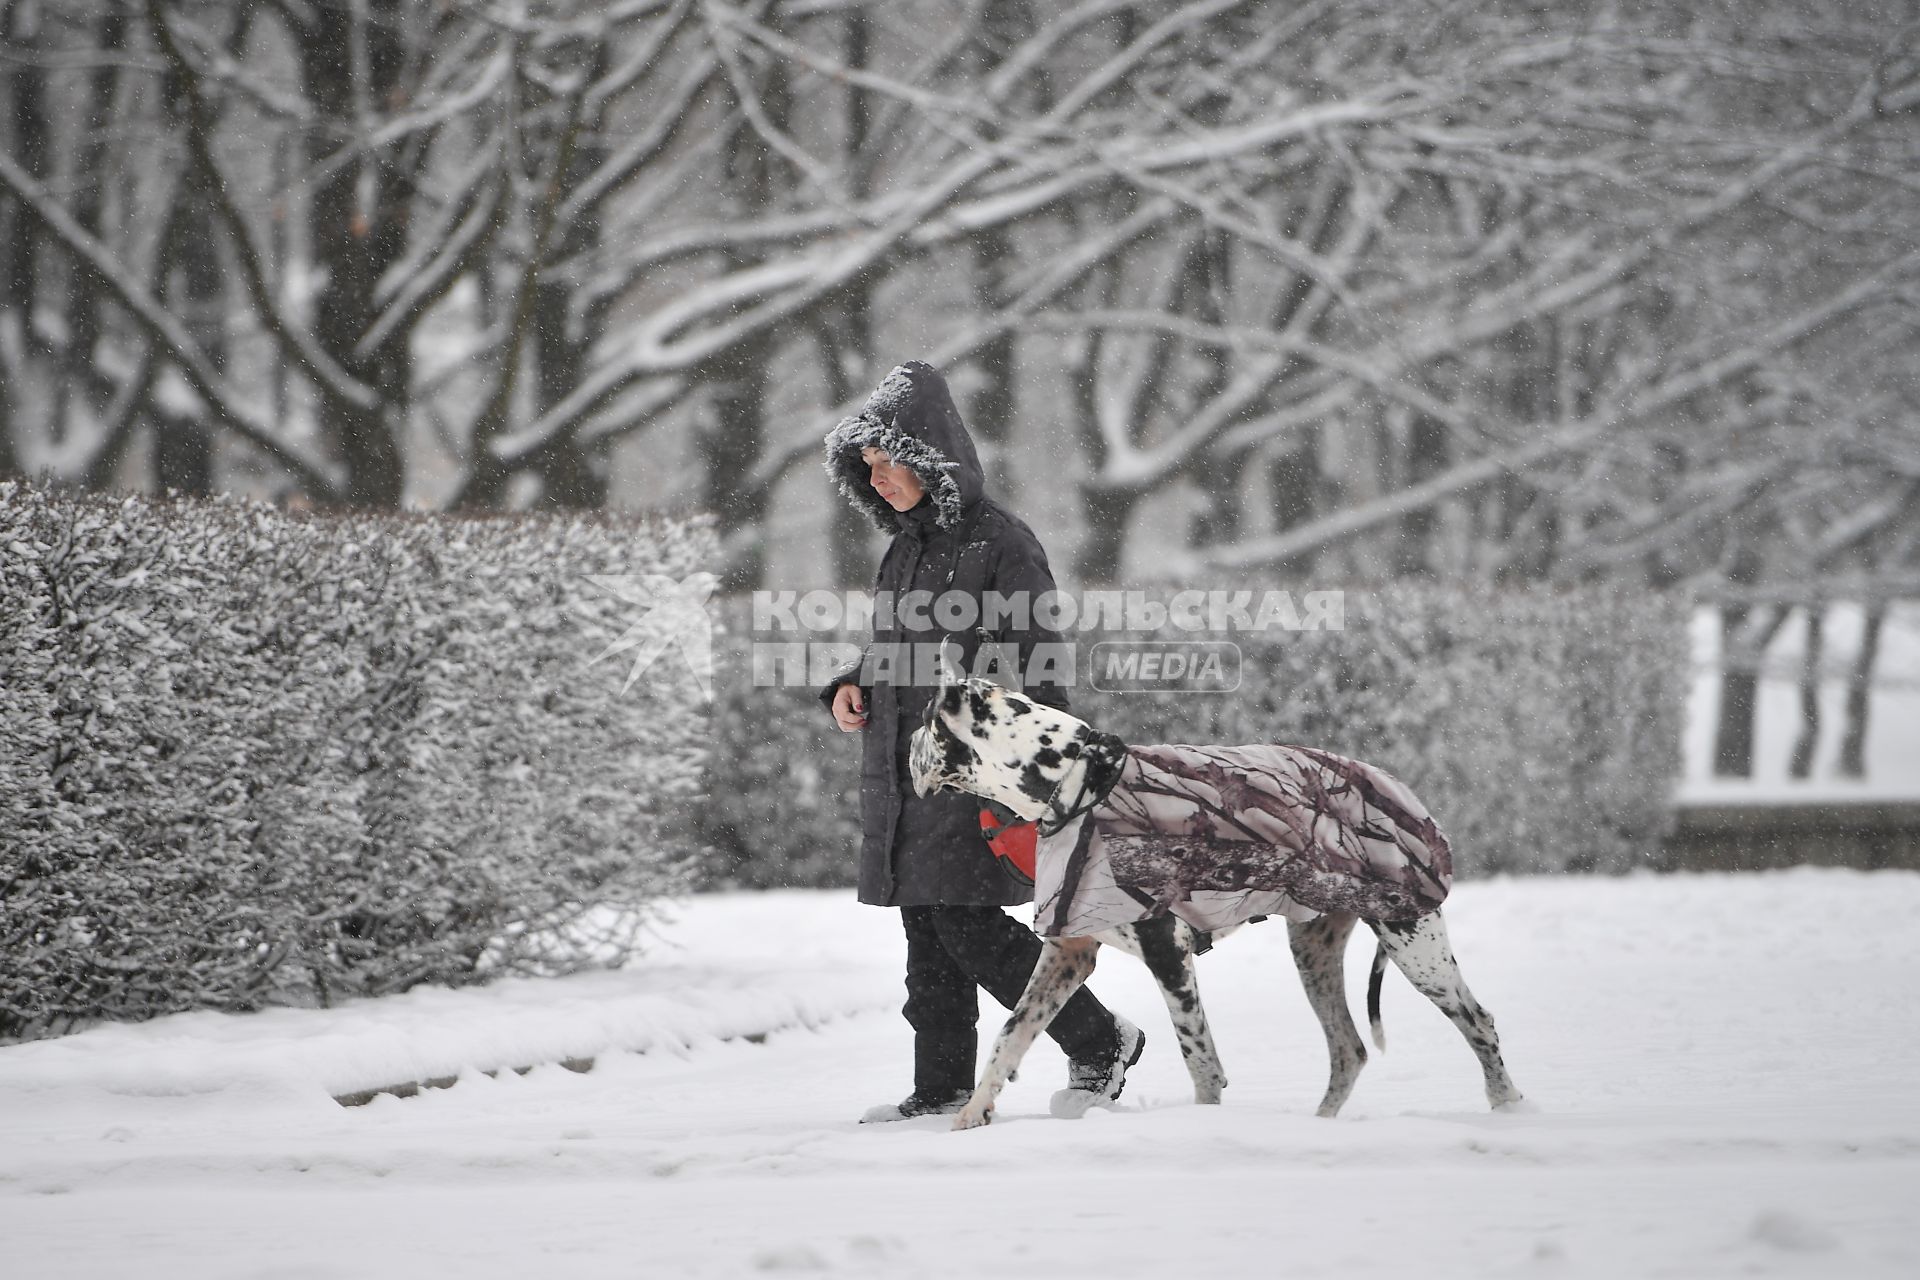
x: 923, y: 763
x: 938, y: 761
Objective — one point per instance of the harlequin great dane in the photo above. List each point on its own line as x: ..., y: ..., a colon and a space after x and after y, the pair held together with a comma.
x: 1142, y: 846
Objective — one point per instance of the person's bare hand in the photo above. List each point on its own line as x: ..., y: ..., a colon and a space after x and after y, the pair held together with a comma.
x: 849, y: 709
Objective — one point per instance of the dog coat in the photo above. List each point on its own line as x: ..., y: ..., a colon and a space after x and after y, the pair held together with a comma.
x: 1218, y: 835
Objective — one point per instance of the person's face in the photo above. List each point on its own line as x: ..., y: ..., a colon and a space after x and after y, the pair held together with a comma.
x: 898, y: 484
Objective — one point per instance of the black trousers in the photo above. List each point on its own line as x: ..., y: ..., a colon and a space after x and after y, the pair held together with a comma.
x: 952, y: 951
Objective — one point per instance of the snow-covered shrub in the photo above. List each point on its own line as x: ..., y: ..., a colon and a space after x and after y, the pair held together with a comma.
x: 248, y: 756
x: 1541, y: 726
x: 781, y: 807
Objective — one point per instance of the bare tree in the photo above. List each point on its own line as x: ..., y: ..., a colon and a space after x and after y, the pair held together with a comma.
x: 1489, y: 289
x: 1513, y: 284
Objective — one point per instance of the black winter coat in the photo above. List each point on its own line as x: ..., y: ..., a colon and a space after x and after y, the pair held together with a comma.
x: 921, y: 851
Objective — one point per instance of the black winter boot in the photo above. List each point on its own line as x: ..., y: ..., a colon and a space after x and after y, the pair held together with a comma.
x: 942, y: 1077
x: 1097, y: 1080
x: 914, y: 1104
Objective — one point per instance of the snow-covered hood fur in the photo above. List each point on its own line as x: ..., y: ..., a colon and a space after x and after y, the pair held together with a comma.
x: 911, y: 415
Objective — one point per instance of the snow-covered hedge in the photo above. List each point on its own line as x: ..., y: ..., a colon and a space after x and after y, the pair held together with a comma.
x: 1541, y: 726
x: 250, y: 756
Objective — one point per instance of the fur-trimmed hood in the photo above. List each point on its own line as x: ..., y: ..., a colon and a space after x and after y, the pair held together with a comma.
x: 911, y: 415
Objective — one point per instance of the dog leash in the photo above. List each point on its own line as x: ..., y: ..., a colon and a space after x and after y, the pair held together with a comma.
x: 1070, y: 881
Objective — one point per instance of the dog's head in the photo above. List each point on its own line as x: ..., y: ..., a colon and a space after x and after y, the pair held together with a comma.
x: 1003, y: 746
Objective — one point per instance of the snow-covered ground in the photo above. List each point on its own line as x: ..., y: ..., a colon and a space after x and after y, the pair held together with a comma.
x: 1723, y: 1070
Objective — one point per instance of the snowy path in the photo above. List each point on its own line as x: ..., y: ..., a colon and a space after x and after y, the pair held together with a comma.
x: 1723, y: 1069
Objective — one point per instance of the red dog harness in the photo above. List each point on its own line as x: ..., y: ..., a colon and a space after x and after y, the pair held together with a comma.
x: 1013, y: 843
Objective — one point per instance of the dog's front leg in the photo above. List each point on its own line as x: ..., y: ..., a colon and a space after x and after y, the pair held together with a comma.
x: 1166, y: 944
x: 1063, y: 966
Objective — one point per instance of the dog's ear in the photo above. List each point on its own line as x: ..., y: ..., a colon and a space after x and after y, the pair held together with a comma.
x: 948, y: 664
x: 949, y: 694
x: 1106, y: 756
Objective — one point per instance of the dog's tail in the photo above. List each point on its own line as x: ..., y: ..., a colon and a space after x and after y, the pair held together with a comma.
x: 1373, y: 997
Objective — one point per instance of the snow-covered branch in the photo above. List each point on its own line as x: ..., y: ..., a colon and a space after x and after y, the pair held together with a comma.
x: 92, y: 258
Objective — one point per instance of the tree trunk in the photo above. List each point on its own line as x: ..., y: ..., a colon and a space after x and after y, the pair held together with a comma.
x: 1427, y: 455
x: 91, y: 177
x: 18, y: 286
x: 1100, y: 556
x: 280, y: 253
x: 1295, y: 482
x: 1853, y: 742
x: 845, y: 331
x: 1206, y: 282
x: 844, y: 337
x: 1002, y: 27
x: 182, y: 453
x: 571, y: 474
x: 728, y: 441
x: 731, y: 437
x: 352, y: 59
x: 992, y: 407
x: 9, y: 460
x: 1741, y: 649
x: 1809, y: 737
x: 30, y: 137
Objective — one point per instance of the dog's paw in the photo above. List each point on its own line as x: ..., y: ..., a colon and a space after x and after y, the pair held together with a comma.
x: 1516, y: 1107
x: 973, y: 1118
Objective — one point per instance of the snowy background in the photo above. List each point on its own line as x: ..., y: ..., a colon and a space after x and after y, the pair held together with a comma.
x: 1486, y: 296
x: 1721, y: 1066
x: 1601, y: 289
x: 1893, y: 728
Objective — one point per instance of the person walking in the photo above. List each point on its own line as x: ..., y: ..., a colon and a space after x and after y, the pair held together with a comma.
x: 907, y: 461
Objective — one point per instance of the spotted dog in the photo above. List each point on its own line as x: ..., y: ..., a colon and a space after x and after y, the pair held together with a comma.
x: 1140, y: 847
